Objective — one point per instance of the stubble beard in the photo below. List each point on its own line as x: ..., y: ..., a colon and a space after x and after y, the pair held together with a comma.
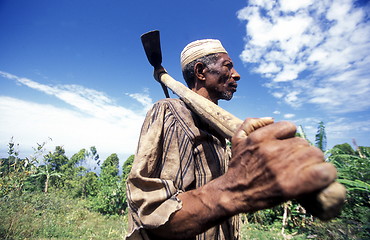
x: 227, y: 95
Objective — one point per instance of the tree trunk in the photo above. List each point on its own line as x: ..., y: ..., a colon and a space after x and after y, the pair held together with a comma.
x: 46, y: 184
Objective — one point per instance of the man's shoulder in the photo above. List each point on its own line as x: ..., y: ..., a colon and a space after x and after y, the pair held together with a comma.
x: 176, y: 101
x: 173, y: 104
x: 176, y: 108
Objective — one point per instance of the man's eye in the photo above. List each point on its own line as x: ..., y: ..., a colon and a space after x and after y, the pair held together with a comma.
x: 229, y: 66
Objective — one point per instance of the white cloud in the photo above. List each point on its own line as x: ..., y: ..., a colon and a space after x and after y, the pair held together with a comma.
x: 276, y: 112
x: 95, y: 120
x: 292, y: 98
x: 289, y: 115
x: 267, y: 68
x: 345, y: 127
x: 293, y: 5
x: 317, y: 50
x: 142, y: 98
x: 278, y: 94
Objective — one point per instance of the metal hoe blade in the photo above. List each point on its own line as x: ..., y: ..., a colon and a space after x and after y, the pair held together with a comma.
x: 152, y: 46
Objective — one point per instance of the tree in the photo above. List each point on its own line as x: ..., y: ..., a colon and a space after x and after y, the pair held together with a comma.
x: 14, y: 171
x: 9, y: 164
x: 110, y: 195
x: 77, y: 179
x: 320, y: 137
x: 110, y: 168
x: 77, y: 158
x: 51, y: 171
x: 126, y: 168
x: 56, y: 159
x: 73, y: 171
x: 94, y: 156
x: 88, y: 185
x: 47, y: 172
x: 301, y: 133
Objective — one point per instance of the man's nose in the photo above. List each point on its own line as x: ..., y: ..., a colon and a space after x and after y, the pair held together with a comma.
x: 235, y: 75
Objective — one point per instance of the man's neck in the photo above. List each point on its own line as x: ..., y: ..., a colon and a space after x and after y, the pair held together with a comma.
x: 204, y: 93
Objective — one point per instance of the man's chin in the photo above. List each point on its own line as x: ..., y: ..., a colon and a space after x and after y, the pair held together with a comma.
x: 227, y: 96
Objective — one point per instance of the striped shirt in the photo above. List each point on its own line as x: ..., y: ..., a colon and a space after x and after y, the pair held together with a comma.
x: 177, y: 152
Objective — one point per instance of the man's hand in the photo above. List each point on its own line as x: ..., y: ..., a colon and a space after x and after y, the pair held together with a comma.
x: 158, y: 72
x: 271, y: 165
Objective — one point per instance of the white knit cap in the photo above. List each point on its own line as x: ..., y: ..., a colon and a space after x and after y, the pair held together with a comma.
x: 200, y: 48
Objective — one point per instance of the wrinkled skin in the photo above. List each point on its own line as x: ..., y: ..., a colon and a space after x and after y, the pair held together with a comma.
x: 273, y: 165
x: 218, y: 80
x: 269, y: 166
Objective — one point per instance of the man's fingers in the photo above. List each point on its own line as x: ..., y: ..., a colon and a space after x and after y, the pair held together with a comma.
x: 316, y: 177
x: 256, y: 123
x: 157, y: 73
x: 252, y: 124
x: 279, y: 130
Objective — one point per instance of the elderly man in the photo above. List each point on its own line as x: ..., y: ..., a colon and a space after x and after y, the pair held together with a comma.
x: 185, y: 184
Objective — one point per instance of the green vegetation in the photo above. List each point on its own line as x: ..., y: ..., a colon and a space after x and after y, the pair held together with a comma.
x: 51, y: 196
x: 56, y: 215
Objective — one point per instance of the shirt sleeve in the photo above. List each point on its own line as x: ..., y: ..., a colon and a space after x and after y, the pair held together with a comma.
x: 163, y: 167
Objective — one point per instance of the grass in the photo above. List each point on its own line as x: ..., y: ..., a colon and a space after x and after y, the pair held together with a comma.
x: 252, y: 231
x: 55, y: 216
x: 58, y: 216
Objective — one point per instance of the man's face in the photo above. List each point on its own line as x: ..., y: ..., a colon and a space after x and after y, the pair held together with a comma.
x: 221, y: 78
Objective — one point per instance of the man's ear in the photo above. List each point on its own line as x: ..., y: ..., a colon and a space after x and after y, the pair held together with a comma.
x: 199, y: 71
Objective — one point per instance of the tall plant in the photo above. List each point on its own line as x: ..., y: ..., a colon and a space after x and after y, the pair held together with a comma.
x: 353, y: 172
x: 320, y: 137
x: 14, y: 171
x: 47, y: 173
x: 109, y: 197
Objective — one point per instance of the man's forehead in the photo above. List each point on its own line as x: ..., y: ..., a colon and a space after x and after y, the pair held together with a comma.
x: 222, y: 57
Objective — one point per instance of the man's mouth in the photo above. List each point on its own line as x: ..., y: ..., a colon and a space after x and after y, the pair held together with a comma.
x: 233, y: 86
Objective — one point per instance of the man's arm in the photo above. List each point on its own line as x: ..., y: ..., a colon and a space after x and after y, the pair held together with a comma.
x: 268, y: 167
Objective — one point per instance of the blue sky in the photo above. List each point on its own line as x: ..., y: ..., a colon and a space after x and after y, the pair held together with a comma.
x: 74, y: 73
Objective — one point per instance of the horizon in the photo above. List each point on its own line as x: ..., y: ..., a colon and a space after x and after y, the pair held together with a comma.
x: 76, y: 73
